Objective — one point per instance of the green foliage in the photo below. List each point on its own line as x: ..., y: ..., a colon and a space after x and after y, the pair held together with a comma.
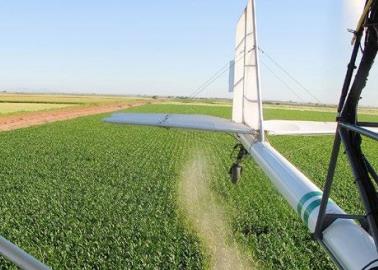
x: 306, y: 115
x: 87, y: 194
x: 83, y: 194
x: 263, y: 222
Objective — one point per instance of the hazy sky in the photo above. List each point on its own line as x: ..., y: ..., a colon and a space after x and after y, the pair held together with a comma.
x: 170, y: 47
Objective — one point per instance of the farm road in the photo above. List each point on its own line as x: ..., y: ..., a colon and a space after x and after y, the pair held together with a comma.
x: 43, y: 117
x: 207, y: 217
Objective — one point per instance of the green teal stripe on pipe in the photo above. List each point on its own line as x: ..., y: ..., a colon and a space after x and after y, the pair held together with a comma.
x: 309, y: 210
x: 305, y: 198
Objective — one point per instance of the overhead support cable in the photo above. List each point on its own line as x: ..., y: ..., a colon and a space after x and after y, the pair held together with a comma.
x: 282, y: 81
x: 279, y: 66
x: 209, y: 81
x: 221, y: 71
x: 214, y: 78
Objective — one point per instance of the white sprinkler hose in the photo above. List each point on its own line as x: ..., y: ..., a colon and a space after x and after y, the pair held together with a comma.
x: 350, y: 245
x: 19, y: 257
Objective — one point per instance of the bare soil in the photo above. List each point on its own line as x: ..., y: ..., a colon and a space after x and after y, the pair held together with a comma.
x: 207, y: 217
x: 39, y: 118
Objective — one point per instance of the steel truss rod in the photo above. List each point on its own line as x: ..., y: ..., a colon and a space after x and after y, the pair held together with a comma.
x: 327, y: 188
x: 349, y: 133
x: 337, y: 141
x: 371, y: 170
x: 367, y: 124
x: 365, y: 186
x: 363, y: 131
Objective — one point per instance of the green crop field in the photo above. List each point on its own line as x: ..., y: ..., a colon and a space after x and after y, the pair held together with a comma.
x: 83, y: 194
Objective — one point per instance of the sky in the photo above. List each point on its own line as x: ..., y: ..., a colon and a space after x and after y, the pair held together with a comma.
x: 171, y: 47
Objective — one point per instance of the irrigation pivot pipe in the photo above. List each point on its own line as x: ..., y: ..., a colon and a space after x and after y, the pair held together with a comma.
x: 348, y: 243
x: 19, y: 256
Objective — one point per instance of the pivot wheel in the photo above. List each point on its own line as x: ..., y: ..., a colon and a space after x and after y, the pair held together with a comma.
x: 235, y: 172
x: 236, y: 168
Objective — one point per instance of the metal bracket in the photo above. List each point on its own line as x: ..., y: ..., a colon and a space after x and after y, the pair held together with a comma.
x: 236, y: 168
x: 330, y: 218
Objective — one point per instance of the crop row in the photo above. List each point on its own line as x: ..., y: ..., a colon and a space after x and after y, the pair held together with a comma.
x: 86, y: 194
x: 263, y: 223
x: 89, y: 195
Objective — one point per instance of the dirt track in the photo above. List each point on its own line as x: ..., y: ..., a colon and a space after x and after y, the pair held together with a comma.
x: 207, y: 217
x: 43, y: 117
